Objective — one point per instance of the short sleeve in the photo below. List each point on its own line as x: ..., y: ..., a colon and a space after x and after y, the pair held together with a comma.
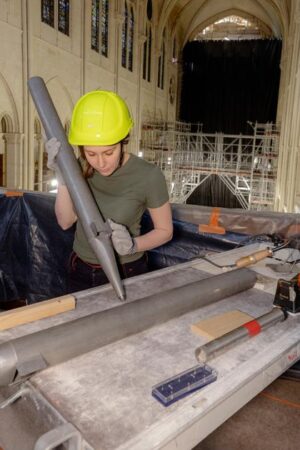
x: 157, y: 191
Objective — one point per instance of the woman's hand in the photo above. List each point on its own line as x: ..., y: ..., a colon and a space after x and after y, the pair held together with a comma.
x: 122, y: 241
x: 52, y: 147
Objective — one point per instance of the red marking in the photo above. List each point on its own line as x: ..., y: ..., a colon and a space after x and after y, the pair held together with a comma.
x: 253, y: 327
x: 292, y: 356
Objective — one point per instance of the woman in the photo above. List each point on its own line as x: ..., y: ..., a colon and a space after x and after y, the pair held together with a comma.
x: 123, y: 185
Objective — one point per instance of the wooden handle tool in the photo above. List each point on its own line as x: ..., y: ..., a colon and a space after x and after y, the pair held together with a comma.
x: 253, y: 258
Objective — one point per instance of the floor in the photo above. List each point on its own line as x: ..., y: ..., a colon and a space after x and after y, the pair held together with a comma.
x: 271, y: 421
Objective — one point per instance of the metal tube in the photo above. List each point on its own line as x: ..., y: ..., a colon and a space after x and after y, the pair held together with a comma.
x: 65, y: 341
x: 214, y: 348
x: 96, y: 231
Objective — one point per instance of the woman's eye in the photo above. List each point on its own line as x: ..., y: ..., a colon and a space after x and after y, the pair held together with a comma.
x: 109, y: 153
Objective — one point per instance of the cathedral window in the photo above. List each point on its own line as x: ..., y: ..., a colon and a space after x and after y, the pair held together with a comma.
x: 99, y: 26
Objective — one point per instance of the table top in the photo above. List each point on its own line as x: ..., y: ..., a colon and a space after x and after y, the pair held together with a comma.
x: 106, y: 393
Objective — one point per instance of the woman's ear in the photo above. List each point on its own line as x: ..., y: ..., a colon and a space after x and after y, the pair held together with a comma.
x: 125, y: 140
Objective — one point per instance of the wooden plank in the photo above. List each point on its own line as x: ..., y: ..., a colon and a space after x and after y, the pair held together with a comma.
x: 37, y: 311
x: 216, y: 326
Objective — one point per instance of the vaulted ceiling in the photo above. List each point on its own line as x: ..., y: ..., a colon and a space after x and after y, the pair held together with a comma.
x: 189, y: 17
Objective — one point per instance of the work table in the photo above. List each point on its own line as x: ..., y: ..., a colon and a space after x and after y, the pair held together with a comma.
x: 106, y: 393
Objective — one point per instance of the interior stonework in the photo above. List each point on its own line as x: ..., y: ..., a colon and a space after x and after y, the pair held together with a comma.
x: 70, y: 68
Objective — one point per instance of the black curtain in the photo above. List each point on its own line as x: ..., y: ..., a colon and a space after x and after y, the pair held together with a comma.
x: 213, y: 192
x: 227, y: 83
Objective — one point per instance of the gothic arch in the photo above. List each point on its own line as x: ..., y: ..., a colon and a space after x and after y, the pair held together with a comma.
x: 6, y: 123
x: 9, y: 110
x: 230, y: 12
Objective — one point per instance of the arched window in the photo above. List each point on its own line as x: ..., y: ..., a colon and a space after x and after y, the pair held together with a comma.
x: 56, y: 14
x: 148, y: 44
x: 47, y: 12
x: 100, y: 26
x: 63, y: 15
x: 161, y: 62
x: 125, y: 36
x: 128, y: 37
x: 145, y: 55
x: 104, y: 28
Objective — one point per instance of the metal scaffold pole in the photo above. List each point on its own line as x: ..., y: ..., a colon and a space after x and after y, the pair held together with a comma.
x: 246, y: 164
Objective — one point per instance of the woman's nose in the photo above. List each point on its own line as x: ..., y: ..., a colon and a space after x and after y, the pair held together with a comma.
x: 101, y: 161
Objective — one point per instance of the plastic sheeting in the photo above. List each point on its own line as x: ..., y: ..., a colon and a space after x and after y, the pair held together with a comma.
x: 241, y: 220
x: 188, y: 243
x: 34, y: 250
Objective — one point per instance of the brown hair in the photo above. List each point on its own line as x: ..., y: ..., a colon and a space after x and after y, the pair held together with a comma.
x: 88, y: 170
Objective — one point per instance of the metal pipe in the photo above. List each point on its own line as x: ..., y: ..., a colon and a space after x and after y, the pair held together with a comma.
x: 68, y: 340
x: 96, y: 231
x: 214, y: 348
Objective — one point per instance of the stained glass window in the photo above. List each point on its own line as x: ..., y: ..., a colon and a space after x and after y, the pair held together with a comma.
x: 63, y: 16
x: 47, y: 12
x: 99, y: 26
x: 131, y: 40
x: 161, y: 63
x: 149, y: 54
x: 104, y: 27
x: 148, y: 44
x: 95, y: 25
x: 125, y: 36
x: 145, y: 55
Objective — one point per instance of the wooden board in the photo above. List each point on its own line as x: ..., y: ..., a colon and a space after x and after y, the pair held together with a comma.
x: 216, y: 326
x: 37, y: 311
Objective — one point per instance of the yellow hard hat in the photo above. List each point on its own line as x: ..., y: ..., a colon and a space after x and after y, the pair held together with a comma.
x: 99, y: 118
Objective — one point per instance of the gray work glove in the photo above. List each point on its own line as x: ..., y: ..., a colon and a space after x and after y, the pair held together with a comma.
x: 123, y: 243
x: 52, y: 148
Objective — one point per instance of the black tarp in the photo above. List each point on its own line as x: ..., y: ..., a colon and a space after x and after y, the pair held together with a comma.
x: 34, y: 250
x: 189, y: 243
x: 213, y: 192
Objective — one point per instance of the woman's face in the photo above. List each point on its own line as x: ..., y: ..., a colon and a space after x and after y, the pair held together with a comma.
x: 104, y: 159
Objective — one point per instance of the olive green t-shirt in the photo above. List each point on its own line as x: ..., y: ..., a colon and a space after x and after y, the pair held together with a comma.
x: 123, y: 197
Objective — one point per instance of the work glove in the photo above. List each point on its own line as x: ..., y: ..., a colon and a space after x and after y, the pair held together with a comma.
x: 123, y: 243
x: 52, y: 147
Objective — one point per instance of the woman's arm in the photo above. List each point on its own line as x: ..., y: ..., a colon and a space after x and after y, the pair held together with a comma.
x: 64, y: 209
x: 162, y: 232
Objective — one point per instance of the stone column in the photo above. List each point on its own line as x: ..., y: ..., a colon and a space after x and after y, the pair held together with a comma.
x: 14, y: 160
x: 288, y: 185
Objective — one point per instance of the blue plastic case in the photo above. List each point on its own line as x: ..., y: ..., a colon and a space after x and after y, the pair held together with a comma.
x: 179, y: 386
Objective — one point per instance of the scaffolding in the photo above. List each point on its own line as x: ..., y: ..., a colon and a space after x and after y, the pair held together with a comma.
x: 246, y: 164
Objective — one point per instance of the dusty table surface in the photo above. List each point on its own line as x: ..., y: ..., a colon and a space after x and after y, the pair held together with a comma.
x: 106, y: 393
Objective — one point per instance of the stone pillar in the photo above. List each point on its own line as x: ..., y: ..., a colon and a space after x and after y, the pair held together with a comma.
x: 14, y: 160
x: 288, y: 185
